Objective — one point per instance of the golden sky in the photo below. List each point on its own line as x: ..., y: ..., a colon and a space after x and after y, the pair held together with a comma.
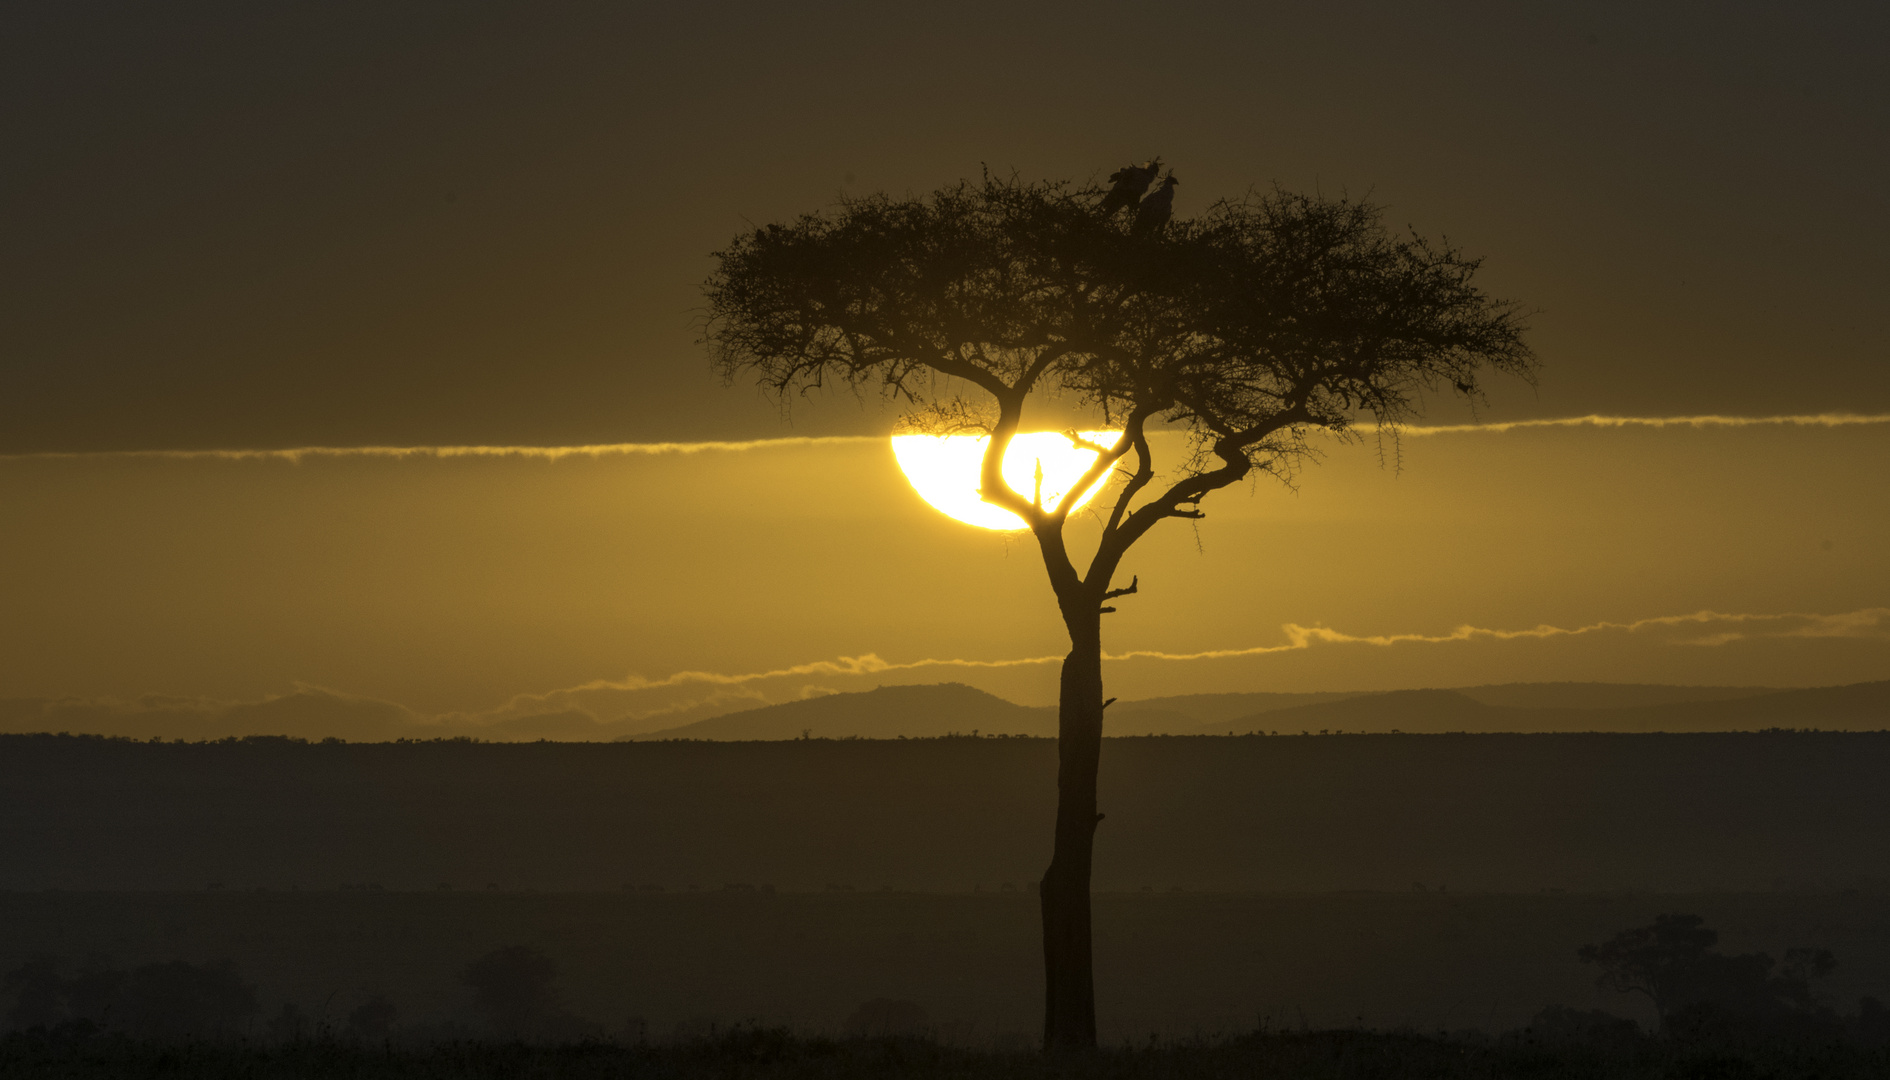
x: 357, y: 222
x: 655, y: 581
x: 358, y: 225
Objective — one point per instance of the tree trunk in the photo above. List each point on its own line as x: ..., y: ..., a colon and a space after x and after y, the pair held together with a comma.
x: 1069, y: 1015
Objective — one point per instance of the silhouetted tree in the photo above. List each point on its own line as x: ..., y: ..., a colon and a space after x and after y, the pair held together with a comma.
x: 1249, y: 328
x: 1694, y: 988
x: 1648, y: 960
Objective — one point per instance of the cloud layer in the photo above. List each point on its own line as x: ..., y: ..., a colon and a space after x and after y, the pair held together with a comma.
x: 554, y: 453
x: 298, y: 454
x: 1594, y: 420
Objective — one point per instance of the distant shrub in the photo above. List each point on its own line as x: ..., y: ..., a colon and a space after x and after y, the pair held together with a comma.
x: 1703, y: 995
x: 514, y: 994
x: 1561, y: 1026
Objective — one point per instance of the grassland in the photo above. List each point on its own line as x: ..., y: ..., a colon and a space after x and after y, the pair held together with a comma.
x: 764, y: 1054
x: 1179, y: 965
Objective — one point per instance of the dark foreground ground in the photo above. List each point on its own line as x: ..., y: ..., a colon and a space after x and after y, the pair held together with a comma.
x: 1179, y: 965
x: 762, y: 1054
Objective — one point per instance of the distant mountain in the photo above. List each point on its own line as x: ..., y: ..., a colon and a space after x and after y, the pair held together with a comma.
x: 1187, y: 712
x: 1859, y: 707
x: 930, y: 711
x: 1596, y: 695
x: 889, y: 712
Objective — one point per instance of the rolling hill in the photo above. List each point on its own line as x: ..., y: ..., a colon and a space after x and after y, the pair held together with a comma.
x: 889, y: 712
x: 917, y: 712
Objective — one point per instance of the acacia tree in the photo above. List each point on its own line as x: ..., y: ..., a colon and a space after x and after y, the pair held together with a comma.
x: 1249, y: 328
x: 1673, y: 963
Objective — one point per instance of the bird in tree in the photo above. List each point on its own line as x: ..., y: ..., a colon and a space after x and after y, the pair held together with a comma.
x: 1226, y: 342
x: 1129, y: 182
x: 1157, y: 208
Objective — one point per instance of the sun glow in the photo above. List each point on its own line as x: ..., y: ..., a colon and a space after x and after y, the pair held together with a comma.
x: 944, y: 469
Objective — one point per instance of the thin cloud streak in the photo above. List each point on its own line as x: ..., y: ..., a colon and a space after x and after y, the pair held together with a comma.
x: 1863, y: 623
x: 298, y: 454
x: 1596, y: 420
x: 843, y: 667
x: 1697, y: 629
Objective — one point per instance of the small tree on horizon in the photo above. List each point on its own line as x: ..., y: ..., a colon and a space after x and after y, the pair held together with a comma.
x: 1249, y: 328
x: 1673, y: 962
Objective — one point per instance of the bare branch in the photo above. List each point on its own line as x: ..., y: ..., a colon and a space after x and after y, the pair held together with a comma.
x: 1105, y: 460
x: 1028, y: 381
x: 992, y: 487
x: 1144, y: 472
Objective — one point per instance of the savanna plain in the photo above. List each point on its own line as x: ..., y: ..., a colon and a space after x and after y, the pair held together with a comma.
x: 1366, y: 904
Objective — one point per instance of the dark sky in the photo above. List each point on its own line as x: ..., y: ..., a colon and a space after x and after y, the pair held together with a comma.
x: 341, y: 223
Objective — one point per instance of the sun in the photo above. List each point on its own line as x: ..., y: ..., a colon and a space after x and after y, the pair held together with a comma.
x: 944, y: 469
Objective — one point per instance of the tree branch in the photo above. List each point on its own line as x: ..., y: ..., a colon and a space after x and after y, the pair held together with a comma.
x: 960, y: 368
x: 992, y: 487
x: 1144, y: 472
x: 1189, y: 490
x: 1050, y: 354
x: 1105, y: 460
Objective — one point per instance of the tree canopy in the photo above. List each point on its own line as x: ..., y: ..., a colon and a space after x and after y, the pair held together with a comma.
x: 1249, y: 326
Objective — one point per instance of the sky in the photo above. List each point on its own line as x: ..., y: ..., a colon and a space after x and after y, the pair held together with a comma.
x: 228, y: 229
